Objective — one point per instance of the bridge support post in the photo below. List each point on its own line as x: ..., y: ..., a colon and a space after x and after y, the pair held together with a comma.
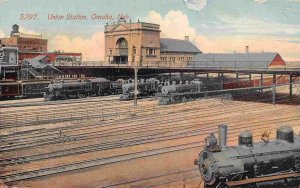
x: 261, y: 82
x: 274, y: 89
x: 222, y: 80
x: 181, y: 75
x: 250, y: 77
x: 291, y: 87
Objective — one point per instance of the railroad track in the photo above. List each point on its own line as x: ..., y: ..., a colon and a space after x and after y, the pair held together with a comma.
x: 115, y: 130
x: 55, y: 138
x: 45, y: 116
x: 13, y: 121
x: 69, y: 101
x: 186, y: 130
x: 26, y: 175
x: 172, y: 175
x: 56, y: 170
x: 37, y: 173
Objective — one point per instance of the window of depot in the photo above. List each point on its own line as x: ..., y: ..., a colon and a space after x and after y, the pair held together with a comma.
x: 150, y: 51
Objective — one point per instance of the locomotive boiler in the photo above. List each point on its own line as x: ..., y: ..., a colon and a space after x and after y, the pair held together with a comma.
x: 145, y: 88
x: 65, y: 89
x: 181, y: 92
x: 273, y: 163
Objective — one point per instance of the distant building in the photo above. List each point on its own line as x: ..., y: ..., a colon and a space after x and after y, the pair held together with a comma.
x: 238, y: 60
x: 24, y: 42
x: 177, y: 51
x: 140, y: 43
x: 39, y: 67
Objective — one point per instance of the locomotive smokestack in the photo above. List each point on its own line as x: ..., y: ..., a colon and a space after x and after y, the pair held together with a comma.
x: 222, y: 135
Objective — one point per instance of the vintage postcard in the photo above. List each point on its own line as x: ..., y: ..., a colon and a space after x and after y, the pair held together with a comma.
x: 160, y: 94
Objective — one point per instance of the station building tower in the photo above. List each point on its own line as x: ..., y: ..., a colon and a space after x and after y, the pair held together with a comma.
x: 132, y: 43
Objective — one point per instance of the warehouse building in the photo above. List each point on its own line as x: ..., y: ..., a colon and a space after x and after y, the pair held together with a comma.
x: 24, y: 42
x: 247, y: 60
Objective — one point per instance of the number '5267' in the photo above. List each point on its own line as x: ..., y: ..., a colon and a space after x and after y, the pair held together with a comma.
x: 28, y: 16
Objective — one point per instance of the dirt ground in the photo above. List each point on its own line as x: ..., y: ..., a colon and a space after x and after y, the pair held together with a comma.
x: 151, y: 171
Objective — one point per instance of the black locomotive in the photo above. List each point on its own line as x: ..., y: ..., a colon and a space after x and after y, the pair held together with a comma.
x: 273, y: 163
x: 67, y: 89
x: 175, y: 93
x: 145, y: 88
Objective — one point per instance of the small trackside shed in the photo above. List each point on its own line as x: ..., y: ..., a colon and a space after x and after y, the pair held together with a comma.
x: 263, y: 60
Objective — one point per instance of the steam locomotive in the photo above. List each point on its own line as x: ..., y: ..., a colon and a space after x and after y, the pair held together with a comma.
x: 67, y: 89
x: 145, y: 88
x: 273, y: 163
x: 181, y: 92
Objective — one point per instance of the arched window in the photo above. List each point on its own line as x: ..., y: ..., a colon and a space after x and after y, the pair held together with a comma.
x: 122, y: 47
x: 122, y: 43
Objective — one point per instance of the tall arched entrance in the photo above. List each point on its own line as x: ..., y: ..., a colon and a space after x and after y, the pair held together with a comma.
x: 121, y: 56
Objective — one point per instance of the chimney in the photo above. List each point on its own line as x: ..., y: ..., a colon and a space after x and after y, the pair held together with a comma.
x: 187, y: 38
x: 247, y: 49
x: 222, y: 135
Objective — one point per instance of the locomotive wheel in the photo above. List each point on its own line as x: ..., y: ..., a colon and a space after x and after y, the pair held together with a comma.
x: 172, y: 99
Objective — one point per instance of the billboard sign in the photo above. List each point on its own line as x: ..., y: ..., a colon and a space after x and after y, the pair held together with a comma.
x: 8, y: 56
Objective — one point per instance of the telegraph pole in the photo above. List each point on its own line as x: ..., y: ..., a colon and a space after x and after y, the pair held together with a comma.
x: 136, y: 79
x: 135, y: 85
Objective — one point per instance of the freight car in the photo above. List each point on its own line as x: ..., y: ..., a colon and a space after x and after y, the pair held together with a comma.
x: 145, y: 88
x: 10, y: 89
x: 181, y: 92
x: 67, y: 89
x: 268, y: 163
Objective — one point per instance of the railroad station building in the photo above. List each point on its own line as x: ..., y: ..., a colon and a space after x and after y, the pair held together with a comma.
x: 140, y: 43
x: 24, y: 42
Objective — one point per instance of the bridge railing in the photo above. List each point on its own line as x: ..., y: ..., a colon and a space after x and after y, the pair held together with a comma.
x: 212, y: 65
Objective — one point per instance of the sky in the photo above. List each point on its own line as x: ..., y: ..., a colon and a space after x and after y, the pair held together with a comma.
x: 214, y: 26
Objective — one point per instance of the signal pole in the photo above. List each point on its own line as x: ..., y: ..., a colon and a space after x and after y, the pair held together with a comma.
x: 135, y: 85
x: 136, y: 80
